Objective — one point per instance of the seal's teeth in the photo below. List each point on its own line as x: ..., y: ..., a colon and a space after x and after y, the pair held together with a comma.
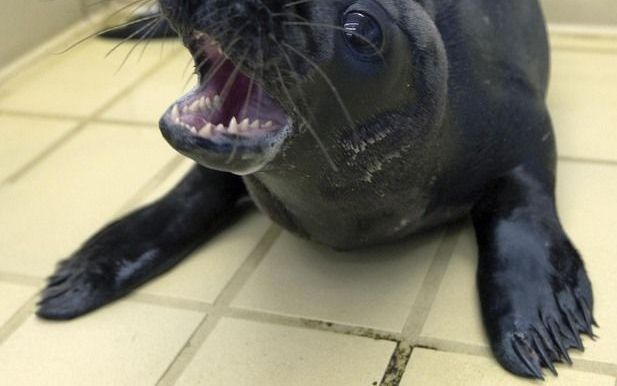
x: 175, y: 113
x: 268, y: 125
x: 218, y: 102
x: 202, y: 103
x: 185, y: 109
x: 208, y: 102
x: 206, y: 131
x: 194, y: 107
x: 233, y: 126
x: 244, y: 125
x: 220, y: 128
x: 193, y: 129
x: 255, y: 125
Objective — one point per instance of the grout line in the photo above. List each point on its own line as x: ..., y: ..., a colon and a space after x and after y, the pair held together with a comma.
x: 397, y: 365
x: 311, y: 324
x: 432, y: 281
x: 129, y: 122
x: 18, y: 318
x: 157, y: 179
x: 78, y: 118
x: 210, y: 321
x: 583, y: 49
x: 60, y: 117
x: 444, y: 345
x: 594, y: 367
x: 11, y: 179
x: 27, y: 280
x: 421, y: 306
x: 588, y: 161
x: 448, y: 346
x: 40, y: 115
x: 248, y: 267
x: 398, y: 361
x: 175, y: 369
x: 171, y: 302
x: 266, y: 317
x: 88, y: 120
x: 453, y: 346
x: 581, y: 31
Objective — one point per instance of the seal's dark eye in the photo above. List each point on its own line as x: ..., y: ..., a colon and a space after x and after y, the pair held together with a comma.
x: 364, y: 33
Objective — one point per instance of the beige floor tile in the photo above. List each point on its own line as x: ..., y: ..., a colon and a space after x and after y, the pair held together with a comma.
x: 589, y: 212
x: 170, y: 181
x: 586, y: 198
x: 80, y: 81
x: 248, y: 353
x: 49, y: 212
x: 205, y: 273
x: 151, y: 98
x: 455, y: 314
x: 375, y: 288
x: 24, y: 138
x: 202, y: 276
x: 12, y: 297
x: 127, y: 344
x: 582, y: 100
x: 428, y: 367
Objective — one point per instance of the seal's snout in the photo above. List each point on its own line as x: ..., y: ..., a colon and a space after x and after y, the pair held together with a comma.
x: 228, y: 122
x: 239, y: 114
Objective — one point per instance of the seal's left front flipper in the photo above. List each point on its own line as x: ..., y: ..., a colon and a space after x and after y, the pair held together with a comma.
x: 143, y: 244
x: 535, y: 294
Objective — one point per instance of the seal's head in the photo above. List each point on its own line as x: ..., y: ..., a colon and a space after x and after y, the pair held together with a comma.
x: 288, y: 83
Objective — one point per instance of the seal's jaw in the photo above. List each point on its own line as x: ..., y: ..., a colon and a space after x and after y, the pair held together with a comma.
x: 228, y: 122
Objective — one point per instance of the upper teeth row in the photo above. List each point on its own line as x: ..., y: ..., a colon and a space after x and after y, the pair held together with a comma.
x: 201, y: 105
x: 235, y: 126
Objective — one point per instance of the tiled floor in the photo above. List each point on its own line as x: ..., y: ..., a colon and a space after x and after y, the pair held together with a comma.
x: 257, y: 306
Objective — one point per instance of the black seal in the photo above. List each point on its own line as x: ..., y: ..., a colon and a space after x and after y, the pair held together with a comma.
x: 355, y: 123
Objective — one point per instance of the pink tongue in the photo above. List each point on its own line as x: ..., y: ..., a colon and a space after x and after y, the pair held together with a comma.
x: 194, y: 120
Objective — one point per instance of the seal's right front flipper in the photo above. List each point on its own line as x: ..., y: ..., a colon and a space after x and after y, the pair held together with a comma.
x: 535, y: 294
x: 142, y: 245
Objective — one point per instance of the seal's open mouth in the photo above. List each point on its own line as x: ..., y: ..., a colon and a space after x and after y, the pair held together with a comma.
x: 227, y: 112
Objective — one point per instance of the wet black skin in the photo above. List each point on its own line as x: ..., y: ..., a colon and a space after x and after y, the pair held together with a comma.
x: 449, y: 120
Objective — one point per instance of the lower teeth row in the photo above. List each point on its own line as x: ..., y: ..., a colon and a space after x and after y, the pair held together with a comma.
x: 234, y: 127
x: 208, y: 104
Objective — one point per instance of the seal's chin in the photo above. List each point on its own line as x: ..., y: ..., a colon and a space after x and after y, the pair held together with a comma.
x: 228, y: 122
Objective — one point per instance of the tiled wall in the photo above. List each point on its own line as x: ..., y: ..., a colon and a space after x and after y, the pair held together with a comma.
x: 581, y: 12
x: 25, y: 24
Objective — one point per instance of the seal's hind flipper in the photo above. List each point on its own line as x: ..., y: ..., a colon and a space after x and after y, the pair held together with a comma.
x: 535, y: 294
x: 142, y: 245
